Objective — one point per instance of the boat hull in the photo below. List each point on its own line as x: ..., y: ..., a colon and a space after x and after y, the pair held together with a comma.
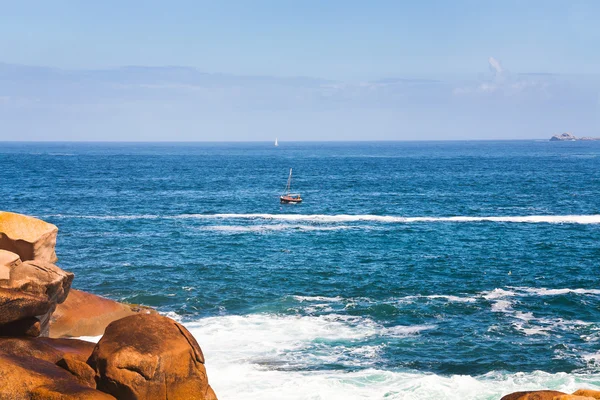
x: 290, y: 200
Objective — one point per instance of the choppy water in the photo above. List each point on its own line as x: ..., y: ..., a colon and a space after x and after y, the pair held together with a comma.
x: 455, y: 270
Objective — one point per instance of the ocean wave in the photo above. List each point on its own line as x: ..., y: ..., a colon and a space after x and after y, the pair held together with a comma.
x: 340, y: 218
x: 335, y: 299
x: 557, y: 292
x: 323, y: 218
x: 250, y: 358
x: 267, y: 228
x: 246, y: 382
x: 450, y: 298
x: 260, y: 356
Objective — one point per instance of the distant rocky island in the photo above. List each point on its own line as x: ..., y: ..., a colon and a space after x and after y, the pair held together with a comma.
x: 569, y: 137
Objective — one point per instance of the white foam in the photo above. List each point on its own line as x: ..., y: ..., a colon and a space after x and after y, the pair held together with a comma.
x: 556, y: 292
x: 325, y: 218
x: 252, y: 357
x: 574, y: 219
x: 532, y: 331
x: 401, y: 331
x: 267, y: 228
x: 455, y: 299
x: 502, y: 306
x: 591, y: 357
x: 93, y: 339
x: 335, y: 299
x: 497, y: 294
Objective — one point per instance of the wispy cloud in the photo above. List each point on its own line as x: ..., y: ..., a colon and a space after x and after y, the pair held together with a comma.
x: 179, y: 103
x: 495, y: 66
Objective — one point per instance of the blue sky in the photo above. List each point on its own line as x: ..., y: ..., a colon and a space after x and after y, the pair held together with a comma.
x: 371, y: 70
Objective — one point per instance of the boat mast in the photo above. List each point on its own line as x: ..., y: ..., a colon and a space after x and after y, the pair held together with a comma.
x: 289, y: 183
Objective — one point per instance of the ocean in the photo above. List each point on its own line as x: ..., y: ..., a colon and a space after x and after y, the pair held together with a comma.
x: 412, y: 270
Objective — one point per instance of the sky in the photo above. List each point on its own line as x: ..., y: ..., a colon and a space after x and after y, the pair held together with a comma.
x: 298, y: 70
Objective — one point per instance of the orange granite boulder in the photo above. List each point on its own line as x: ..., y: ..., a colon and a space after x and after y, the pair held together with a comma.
x: 41, y: 277
x: 84, y: 374
x: 148, y: 356
x: 29, y: 237
x: 85, y: 314
x: 19, y: 311
x: 51, y: 350
x: 29, y: 378
x: 41, y: 285
x: 588, y: 393
x: 69, y: 354
x: 533, y: 395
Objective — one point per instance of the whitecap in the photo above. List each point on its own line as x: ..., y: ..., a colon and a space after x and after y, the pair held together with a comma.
x: 497, y: 294
x: 502, y: 306
x: 335, y: 299
x: 556, y: 292
x: 347, y: 218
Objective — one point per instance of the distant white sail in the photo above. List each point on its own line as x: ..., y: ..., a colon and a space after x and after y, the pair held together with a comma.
x: 276, y: 144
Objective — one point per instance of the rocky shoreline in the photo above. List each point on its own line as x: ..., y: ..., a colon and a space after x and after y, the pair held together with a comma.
x: 141, y: 355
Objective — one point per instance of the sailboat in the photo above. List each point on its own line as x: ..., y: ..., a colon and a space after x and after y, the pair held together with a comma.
x: 287, y: 197
x: 276, y: 144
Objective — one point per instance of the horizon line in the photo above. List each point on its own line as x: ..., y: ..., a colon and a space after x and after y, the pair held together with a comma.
x: 271, y: 141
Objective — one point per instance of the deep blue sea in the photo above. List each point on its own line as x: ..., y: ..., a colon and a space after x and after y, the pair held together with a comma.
x: 412, y: 270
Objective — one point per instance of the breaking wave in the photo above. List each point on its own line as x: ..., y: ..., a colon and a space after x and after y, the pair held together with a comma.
x: 341, y: 218
x: 264, y: 356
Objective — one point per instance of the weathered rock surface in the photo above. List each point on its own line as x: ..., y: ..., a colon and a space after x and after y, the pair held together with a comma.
x: 41, y: 277
x: 8, y: 260
x: 19, y: 311
x: 85, y: 314
x: 69, y: 354
x: 84, y: 374
x: 51, y: 350
x: 581, y: 394
x: 29, y: 237
x: 533, y: 395
x: 588, y: 393
x: 148, y: 356
x: 33, y: 289
x: 28, y: 378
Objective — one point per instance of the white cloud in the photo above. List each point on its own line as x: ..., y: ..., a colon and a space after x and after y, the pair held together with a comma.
x: 495, y: 66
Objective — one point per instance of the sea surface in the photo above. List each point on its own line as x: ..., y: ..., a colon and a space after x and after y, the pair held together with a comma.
x: 412, y: 270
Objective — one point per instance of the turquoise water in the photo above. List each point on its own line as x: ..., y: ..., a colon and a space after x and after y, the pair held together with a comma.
x: 411, y: 270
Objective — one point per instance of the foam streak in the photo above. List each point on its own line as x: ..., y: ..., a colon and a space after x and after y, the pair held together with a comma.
x: 339, y: 218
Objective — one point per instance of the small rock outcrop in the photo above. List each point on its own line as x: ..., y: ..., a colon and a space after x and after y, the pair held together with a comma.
x: 581, y: 394
x: 588, y: 393
x: 30, y: 238
x: 148, y: 356
x: 85, y: 314
x: 569, y: 137
x: 533, y: 395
